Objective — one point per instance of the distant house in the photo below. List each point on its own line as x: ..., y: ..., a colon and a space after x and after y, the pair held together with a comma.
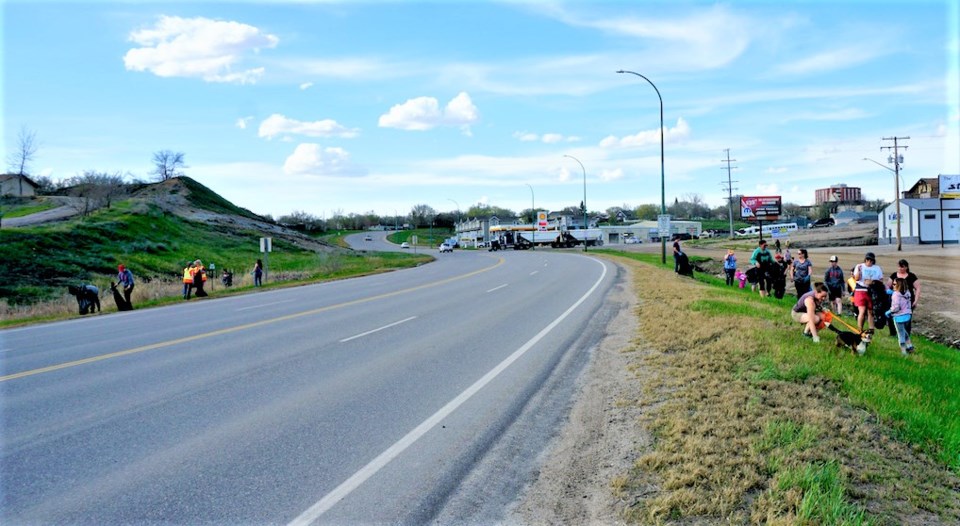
x: 926, y: 188
x: 17, y: 185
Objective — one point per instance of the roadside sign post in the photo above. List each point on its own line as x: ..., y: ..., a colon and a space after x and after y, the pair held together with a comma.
x: 266, y: 246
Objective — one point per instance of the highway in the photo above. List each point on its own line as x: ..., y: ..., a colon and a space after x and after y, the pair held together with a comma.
x: 407, y: 397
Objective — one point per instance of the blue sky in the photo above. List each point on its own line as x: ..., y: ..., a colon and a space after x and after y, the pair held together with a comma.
x: 330, y: 106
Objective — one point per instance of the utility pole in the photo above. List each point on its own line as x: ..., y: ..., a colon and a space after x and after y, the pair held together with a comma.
x: 729, y: 187
x: 896, y: 159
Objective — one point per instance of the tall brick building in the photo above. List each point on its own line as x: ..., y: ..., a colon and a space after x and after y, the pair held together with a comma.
x: 838, y: 193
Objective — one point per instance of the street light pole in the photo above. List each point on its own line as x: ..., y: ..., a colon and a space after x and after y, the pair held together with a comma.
x: 663, y: 196
x: 585, y: 225
x: 533, y: 219
x: 896, y: 187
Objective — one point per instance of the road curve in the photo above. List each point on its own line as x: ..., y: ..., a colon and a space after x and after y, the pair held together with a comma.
x: 379, y: 399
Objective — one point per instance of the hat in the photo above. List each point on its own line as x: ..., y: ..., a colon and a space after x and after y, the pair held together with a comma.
x: 120, y: 268
x: 833, y: 259
x: 870, y: 256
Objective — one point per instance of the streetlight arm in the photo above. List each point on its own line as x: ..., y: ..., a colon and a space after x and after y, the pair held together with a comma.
x: 663, y: 191
x: 880, y: 165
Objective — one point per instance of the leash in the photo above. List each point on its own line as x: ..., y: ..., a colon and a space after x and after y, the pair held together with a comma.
x: 845, y: 324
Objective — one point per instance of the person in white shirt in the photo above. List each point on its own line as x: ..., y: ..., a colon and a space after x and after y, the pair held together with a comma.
x: 865, y: 273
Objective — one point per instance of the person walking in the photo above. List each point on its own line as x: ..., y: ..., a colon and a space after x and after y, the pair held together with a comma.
x: 730, y: 266
x: 187, y: 281
x: 800, y: 272
x: 865, y: 274
x: 833, y: 279
x: 809, y: 311
x: 125, y: 277
x: 258, y: 273
x: 778, y: 276
x: 913, y: 286
x: 761, y: 259
x: 199, y: 278
x: 901, y: 313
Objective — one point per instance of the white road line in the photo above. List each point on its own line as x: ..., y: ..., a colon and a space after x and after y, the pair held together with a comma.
x: 263, y: 305
x: 497, y: 288
x: 362, y: 334
x: 344, y: 489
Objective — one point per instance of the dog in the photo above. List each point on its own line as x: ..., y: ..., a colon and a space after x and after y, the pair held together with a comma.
x: 857, y: 343
x: 122, y: 304
x: 88, y: 297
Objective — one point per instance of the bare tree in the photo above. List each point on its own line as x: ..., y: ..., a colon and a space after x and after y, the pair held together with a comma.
x: 21, y: 157
x: 168, y: 164
x: 95, y: 189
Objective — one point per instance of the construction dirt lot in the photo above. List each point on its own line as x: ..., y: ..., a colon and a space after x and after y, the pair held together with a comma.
x: 938, y: 312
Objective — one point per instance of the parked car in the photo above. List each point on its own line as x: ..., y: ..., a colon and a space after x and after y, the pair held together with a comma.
x: 631, y: 240
x: 368, y: 238
x: 445, y: 247
x: 681, y: 237
x: 823, y: 223
x: 404, y: 245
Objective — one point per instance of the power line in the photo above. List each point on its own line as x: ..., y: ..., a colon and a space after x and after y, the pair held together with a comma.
x: 729, y: 187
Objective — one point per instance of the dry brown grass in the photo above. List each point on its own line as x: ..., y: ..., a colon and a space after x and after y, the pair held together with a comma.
x: 730, y: 425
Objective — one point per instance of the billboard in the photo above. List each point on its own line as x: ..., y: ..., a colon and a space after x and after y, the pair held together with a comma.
x: 950, y: 187
x: 760, y: 208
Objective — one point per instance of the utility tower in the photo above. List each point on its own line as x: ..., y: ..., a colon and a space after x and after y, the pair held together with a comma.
x: 729, y: 187
x: 896, y: 159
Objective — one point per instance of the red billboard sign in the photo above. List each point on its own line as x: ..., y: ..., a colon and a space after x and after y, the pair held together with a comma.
x: 760, y: 208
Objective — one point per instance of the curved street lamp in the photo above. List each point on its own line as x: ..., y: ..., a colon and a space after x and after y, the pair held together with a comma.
x: 896, y: 185
x: 584, y: 200
x: 663, y: 197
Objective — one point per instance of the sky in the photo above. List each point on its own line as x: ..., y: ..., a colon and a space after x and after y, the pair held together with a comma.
x: 339, y: 107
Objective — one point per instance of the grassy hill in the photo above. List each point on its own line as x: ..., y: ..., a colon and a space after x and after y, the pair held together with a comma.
x: 154, y: 232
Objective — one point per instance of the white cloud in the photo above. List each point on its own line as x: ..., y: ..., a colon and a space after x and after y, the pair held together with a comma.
x: 768, y: 189
x: 611, y: 175
x: 277, y: 124
x: 312, y: 159
x: 832, y: 60
x: 775, y: 170
x: 649, y: 137
x: 306, y: 85
x: 198, y: 48
x: 526, y: 137
x: 546, y: 138
x: 423, y: 113
x: 242, y: 122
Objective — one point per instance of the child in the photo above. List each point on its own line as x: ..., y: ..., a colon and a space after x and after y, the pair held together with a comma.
x: 901, y: 313
x: 730, y: 266
x: 742, y: 278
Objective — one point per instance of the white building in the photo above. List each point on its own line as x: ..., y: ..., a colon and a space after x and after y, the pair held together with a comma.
x: 924, y: 221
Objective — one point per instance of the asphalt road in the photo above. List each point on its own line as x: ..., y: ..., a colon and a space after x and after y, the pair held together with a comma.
x: 419, y: 395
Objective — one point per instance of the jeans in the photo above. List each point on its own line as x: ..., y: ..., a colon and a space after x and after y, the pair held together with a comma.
x: 903, y: 333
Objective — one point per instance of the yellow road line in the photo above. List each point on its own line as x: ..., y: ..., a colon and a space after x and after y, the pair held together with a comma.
x: 237, y: 328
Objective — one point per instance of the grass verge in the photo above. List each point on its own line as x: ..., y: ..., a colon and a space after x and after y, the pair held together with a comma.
x: 754, y: 423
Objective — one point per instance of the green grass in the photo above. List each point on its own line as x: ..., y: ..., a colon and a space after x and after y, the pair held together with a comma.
x: 9, y: 212
x: 917, y: 396
x: 425, y: 237
x: 823, y: 488
x: 39, y: 262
